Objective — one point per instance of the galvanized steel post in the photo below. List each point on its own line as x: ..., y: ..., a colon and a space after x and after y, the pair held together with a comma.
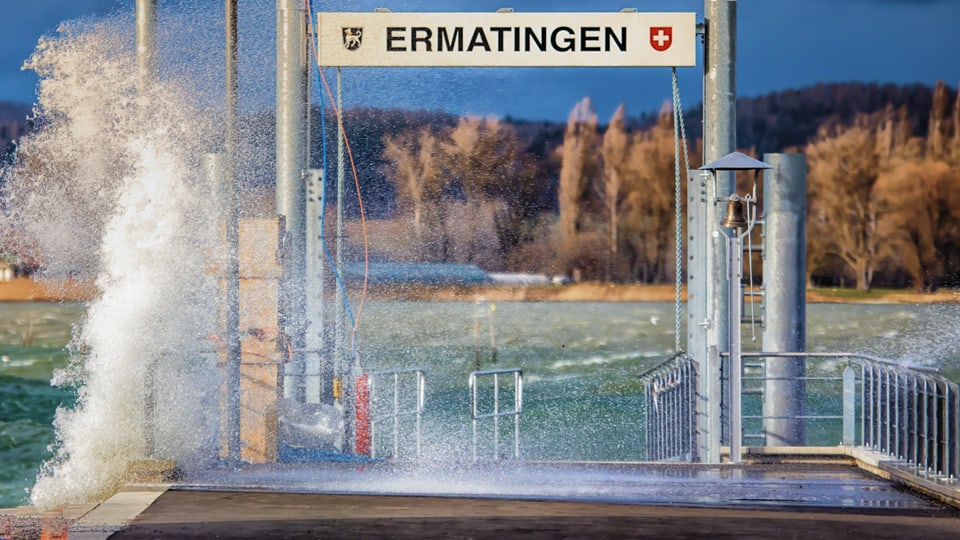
x: 147, y: 58
x: 784, y: 272
x: 147, y: 71
x: 719, y: 139
x: 291, y: 142
x: 315, y: 332
x: 230, y: 214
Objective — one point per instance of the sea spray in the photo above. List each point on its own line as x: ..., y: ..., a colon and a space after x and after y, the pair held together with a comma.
x: 107, y: 186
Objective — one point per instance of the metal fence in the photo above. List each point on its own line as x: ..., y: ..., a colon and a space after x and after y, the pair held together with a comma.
x: 912, y: 416
x: 670, y: 400
x: 495, y: 411
x: 909, y: 412
x: 396, y: 395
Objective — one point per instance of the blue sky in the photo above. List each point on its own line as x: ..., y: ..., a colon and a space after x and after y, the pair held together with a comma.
x: 781, y: 44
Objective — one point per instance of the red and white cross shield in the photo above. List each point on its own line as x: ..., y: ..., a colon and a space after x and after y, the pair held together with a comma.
x: 661, y: 37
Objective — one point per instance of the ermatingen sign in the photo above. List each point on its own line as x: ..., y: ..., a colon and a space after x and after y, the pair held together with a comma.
x: 387, y: 39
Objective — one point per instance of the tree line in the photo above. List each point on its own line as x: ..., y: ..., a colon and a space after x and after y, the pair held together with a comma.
x: 593, y: 198
x: 596, y: 201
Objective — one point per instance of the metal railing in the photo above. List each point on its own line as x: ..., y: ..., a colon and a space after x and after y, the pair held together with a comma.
x: 908, y: 412
x: 398, y: 407
x: 496, y: 411
x: 392, y: 406
x: 912, y: 416
x: 670, y: 391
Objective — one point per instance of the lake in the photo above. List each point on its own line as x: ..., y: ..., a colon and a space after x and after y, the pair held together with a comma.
x: 580, y: 362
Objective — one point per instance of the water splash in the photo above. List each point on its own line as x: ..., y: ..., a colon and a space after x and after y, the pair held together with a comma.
x: 108, y: 186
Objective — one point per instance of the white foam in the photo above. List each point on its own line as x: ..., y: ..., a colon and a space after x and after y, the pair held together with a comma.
x: 108, y: 187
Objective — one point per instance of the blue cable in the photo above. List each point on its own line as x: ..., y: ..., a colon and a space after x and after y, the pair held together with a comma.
x: 323, y: 199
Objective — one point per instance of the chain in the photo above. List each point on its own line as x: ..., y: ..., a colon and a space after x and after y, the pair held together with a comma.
x: 679, y: 136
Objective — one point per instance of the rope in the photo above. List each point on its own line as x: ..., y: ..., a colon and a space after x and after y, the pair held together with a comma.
x: 679, y: 135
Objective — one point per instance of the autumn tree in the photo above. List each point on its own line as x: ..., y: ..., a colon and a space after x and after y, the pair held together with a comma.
x: 414, y: 159
x: 648, y: 207
x: 941, y: 126
x: 843, y: 201
x: 922, y: 203
x: 489, y: 162
x: 616, y: 145
x: 578, y: 163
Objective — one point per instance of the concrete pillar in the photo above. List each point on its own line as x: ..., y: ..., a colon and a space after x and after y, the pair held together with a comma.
x: 784, y: 281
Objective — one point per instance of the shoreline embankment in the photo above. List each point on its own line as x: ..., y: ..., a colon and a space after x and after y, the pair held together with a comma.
x: 23, y: 289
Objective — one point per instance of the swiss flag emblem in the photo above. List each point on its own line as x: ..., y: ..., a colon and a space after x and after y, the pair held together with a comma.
x: 661, y: 37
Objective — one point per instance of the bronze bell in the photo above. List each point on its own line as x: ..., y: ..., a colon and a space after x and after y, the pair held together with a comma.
x: 736, y: 213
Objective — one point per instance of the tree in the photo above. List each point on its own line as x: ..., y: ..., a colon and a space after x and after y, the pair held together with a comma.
x: 414, y: 157
x: 844, y: 214
x: 498, y: 177
x: 921, y: 201
x: 615, y: 150
x: 578, y: 162
x: 648, y: 208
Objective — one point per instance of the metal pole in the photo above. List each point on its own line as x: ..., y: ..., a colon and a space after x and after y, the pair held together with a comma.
x: 735, y: 270
x: 291, y: 141
x: 345, y: 369
x: 784, y: 278
x: 719, y: 139
x: 228, y: 193
x: 313, y: 362
x: 147, y: 58
x: 697, y: 315
x: 214, y: 170
x: 147, y: 71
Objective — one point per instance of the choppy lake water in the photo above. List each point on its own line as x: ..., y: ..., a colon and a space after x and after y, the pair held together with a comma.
x: 580, y: 362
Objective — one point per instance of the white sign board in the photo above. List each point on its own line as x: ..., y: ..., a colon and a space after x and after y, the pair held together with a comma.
x: 506, y: 39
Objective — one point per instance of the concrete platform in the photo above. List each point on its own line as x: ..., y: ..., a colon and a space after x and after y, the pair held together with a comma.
x: 825, y: 498
x: 218, y: 514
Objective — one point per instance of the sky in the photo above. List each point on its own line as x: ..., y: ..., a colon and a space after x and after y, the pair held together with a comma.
x: 781, y: 44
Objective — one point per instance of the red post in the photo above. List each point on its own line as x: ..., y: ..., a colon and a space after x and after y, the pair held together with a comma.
x: 363, y: 416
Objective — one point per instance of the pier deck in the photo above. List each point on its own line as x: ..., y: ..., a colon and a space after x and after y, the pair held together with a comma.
x: 825, y: 498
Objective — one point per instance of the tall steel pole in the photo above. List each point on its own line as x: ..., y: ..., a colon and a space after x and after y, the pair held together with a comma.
x: 719, y: 139
x: 232, y: 234
x: 291, y: 141
x: 147, y: 73
x: 147, y: 57
x: 784, y: 279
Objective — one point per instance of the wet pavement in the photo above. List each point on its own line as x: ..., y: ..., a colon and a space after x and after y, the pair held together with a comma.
x: 822, y: 485
x: 826, y: 498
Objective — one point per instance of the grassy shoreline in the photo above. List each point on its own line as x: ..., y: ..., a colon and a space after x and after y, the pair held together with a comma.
x: 27, y: 290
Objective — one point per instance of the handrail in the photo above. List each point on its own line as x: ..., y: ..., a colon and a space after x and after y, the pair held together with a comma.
x: 670, y: 401
x: 397, y: 412
x: 870, y: 357
x: 497, y: 412
x: 908, y: 412
x: 666, y: 364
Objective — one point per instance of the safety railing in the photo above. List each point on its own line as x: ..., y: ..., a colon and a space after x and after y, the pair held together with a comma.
x: 396, y: 395
x: 495, y: 411
x: 912, y: 416
x: 909, y: 412
x: 670, y: 391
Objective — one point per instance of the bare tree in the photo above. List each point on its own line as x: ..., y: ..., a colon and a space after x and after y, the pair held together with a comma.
x: 647, y: 210
x: 500, y: 180
x: 414, y: 159
x: 844, y: 210
x: 577, y: 155
x: 615, y: 150
x: 921, y: 202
